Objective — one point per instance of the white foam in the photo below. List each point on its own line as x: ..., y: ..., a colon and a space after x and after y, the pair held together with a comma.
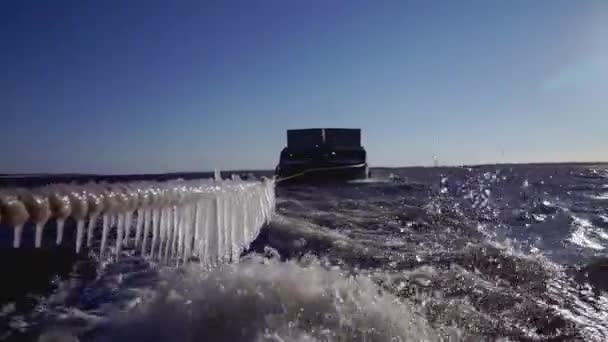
x: 600, y: 197
x: 579, y: 237
x: 583, y: 307
x: 584, y: 234
x: 268, y: 300
x: 581, y: 222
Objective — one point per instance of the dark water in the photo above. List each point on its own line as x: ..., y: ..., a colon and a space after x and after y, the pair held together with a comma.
x: 487, y: 253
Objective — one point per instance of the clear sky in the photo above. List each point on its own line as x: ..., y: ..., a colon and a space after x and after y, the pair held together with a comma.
x: 149, y: 86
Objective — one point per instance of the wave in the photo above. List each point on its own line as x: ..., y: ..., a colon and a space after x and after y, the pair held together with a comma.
x: 602, y: 196
x: 586, y: 235
x: 267, y: 300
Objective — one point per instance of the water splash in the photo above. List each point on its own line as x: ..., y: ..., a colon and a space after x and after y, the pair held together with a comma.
x: 267, y: 300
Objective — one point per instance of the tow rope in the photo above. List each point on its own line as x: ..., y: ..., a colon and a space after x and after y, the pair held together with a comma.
x: 319, y: 169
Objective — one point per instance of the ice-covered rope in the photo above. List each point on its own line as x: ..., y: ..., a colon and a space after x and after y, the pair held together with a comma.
x: 209, y: 219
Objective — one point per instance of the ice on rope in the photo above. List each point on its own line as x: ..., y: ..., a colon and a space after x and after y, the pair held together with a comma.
x: 212, y: 220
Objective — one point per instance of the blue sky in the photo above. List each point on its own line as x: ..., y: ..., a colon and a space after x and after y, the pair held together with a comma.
x: 150, y: 86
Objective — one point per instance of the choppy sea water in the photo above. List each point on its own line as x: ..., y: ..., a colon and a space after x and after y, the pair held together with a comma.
x: 414, y: 254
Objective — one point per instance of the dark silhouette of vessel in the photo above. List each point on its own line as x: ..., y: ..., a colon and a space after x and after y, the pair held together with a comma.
x: 322, y: 154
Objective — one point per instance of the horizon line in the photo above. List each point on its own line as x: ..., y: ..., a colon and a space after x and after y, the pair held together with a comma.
x: 86, y: 174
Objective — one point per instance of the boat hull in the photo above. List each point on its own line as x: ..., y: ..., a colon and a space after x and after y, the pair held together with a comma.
x: 331, y: 173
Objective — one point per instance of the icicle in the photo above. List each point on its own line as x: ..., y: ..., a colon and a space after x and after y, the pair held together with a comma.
x: 184, y: 239
x: 260, y: 212
x: 40, y: 211
x: 198, y: 234
x: 90, y: 230
x: 147, y: 218
x: 128, y: 223
x: 159, y: 230
x: 80, y: 208
x: 138, y: 225
x: 60, y: 224
x: 180, y: 235
x: 170, y: 227
x: 226, y: 231
x: 175, y: 222
x: 120, y: 226
x: 210, y: 235
x: 176, y: 218
x: 236, y: 233
x: 104, y: 234
x: 266, y: 206
x: 197, y: 228
x: 39, y: 231
x: 155, y: 229
x: 18, y: 230
x: 239, y: 227
x: 79, y: 234
x: 185, y: 233
x: 166, y: 234
x: 267, y: 203
x: 162, y: 232
x: 219, y: 227
x: 95, y: 205
x: 210, y: 230
x: 246, y: 224
x: 234, y: 249
x: 61, y: 208
x: 202, y: 235
x: 188, y: 235
x: 228, y: 227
